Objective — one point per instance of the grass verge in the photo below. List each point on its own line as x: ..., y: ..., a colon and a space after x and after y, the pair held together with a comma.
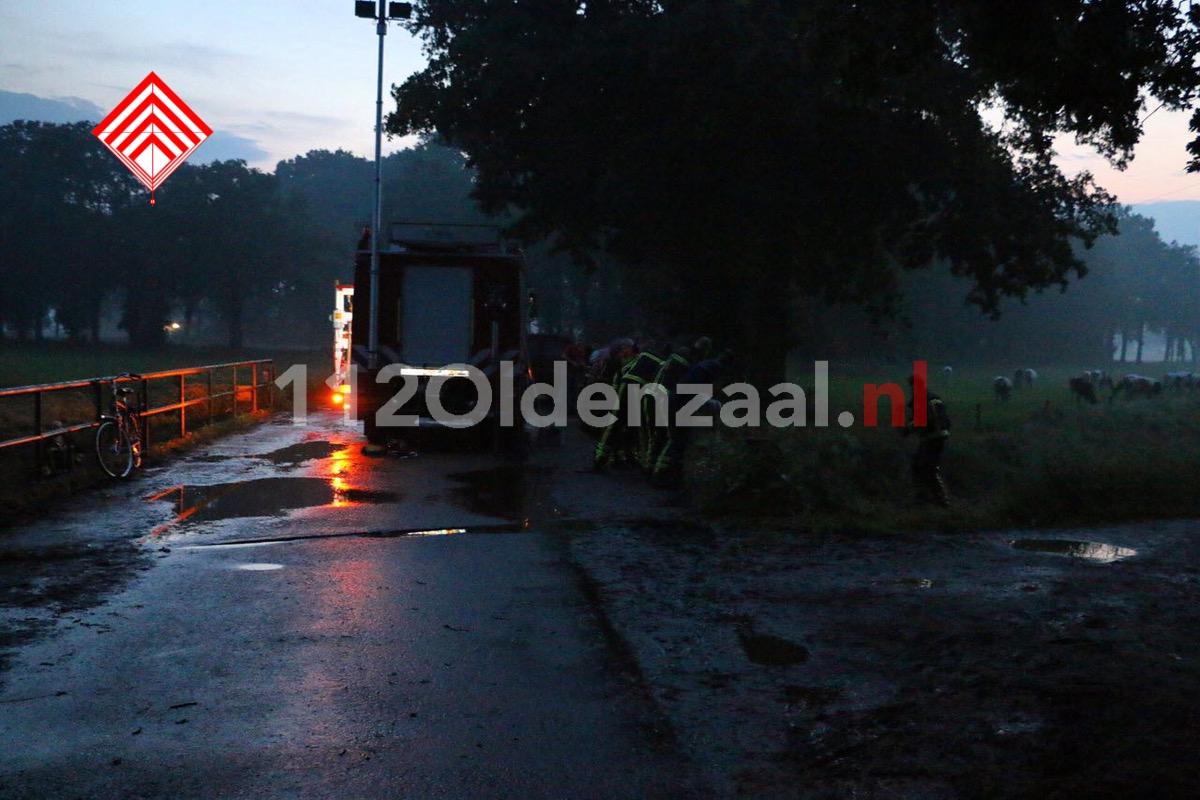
x: 1038, y: 460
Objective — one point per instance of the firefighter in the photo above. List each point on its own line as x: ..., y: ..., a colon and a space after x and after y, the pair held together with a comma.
x: 640, y: 375
x: 661, y: 390
x: 668, y: 468
x: 604, y: 366
x: 931, y: 443
x: 613, y: 449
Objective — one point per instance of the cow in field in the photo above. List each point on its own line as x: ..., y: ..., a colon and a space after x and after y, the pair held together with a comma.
x: 1180, y: 380
x: 1084, y: 388
x: 1002, y: 387
x: 1137, y: 386
x: 1024, y: 377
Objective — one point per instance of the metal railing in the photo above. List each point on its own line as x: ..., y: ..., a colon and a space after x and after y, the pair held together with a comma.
x: 159, y: 393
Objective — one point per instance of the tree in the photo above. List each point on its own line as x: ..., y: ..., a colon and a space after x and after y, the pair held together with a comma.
x: 336, y: 187
x: 58, y: 188
x: 242, y: 218
x: 431, y: 183
x: 737, y: 155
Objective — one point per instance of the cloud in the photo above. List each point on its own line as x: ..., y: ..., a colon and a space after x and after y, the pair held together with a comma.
x: 176, y: 55
x: 224, y: 146
x: 16, y: 105
x: 297, y: 118
x: 221, y: 146
x: 1175, y: 220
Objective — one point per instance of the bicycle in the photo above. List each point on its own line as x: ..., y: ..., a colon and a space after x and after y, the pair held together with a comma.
x: 119, y: 437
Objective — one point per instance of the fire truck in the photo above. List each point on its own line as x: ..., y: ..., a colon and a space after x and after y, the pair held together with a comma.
x: 450, y: 296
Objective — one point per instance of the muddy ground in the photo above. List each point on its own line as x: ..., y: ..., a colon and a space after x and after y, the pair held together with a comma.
x: 41, y: 586
x: 1014, y: 664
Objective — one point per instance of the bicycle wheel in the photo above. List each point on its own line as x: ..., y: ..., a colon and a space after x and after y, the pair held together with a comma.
x: 113, y: 450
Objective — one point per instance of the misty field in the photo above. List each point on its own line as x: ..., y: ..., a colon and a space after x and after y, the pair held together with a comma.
x: 49, y: 362
x: 1040, y: 459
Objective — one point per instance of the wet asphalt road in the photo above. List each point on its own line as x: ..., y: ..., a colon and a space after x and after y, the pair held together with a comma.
x: 283, y: 632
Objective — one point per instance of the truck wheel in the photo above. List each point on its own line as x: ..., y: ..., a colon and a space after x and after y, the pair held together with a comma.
x: 372, y: 430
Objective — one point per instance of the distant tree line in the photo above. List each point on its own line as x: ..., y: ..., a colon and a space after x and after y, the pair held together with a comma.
x: 256, y: 252
x: 1134, y: 285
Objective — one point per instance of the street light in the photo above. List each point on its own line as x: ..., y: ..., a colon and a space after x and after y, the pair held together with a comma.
x: 381, y: 12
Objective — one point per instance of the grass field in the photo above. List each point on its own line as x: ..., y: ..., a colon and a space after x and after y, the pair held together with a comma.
x: 1040, y: 459
x: 49, y: 362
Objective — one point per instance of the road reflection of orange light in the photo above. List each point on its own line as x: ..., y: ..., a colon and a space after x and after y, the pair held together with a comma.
x: 341, y: 461
x: 339, y: 492
x: 343, y: 464
x: 183, y: 509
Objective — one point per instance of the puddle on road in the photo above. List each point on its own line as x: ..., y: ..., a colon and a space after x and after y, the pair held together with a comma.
x: 1091, y: 551
x: 264, y: 497
x: 296, y: 454
x: 772, y: 651
x: 290, y: 456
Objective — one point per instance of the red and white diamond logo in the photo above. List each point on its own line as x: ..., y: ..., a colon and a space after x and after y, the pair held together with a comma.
x: 152, y: 131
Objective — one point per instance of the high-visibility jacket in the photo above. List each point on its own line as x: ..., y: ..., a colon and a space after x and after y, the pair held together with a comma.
x: 672, y: 369
x: 642, y: 369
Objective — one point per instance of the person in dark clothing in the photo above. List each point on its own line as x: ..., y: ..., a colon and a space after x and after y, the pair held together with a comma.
x: 668, y: 469
x: 931, y: 443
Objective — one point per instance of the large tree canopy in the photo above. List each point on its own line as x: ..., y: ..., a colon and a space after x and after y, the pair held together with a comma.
x: 754, y: 150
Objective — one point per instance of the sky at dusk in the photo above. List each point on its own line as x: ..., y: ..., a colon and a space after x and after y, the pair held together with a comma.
x: 273, y: 80
x: 276, y: 80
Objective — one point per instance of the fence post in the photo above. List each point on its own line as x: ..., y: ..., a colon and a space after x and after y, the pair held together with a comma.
x: 210, y: 396
x: 254, y: 387
x: 37, y: 426
x: 182, y: 405
x: 235, y: 390
x: 144, y: 405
